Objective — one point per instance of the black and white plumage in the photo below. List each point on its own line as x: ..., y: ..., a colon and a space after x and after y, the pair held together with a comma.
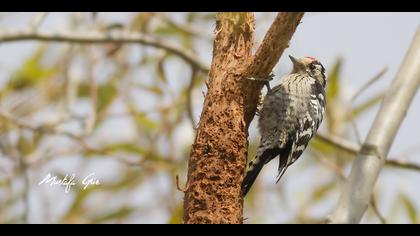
x: 290, y: 116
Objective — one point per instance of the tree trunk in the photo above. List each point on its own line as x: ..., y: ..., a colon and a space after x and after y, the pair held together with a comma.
x: 218, y: 156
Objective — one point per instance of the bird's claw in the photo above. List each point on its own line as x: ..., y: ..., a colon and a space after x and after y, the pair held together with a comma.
x: 266, y: 80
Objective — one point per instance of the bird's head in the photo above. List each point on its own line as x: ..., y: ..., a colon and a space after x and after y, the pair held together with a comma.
x: 310, y: 66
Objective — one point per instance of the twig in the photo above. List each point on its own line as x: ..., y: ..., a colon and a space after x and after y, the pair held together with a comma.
x: 91, y: 119
x: 402, y: 164
x: 357, y: 192
x: 376, y: 210
x: 71, y: 83
x: 99, y: 37
x: 354, y: 149
x: 189, y: 97
x: 339, y: 143
x: 275, y: 42
x: 356, y: 95
x: 14, y: 153
x: 329, y: 164
x: 368, y: 84
x: 36, y: 160
x: 41, y: 128
x: 355, y: 129
x: 185, y: 27
x: 184, y: 189
x: 37, y: 21
x: 26, y: 188
x: 79, y: 139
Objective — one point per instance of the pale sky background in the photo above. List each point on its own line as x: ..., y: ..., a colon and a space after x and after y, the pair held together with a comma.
x: 368, y: 42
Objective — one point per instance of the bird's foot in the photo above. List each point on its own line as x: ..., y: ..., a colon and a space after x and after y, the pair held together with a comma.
x: 266, y: 80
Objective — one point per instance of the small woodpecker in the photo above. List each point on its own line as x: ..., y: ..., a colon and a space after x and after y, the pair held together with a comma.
x: 291, y: 114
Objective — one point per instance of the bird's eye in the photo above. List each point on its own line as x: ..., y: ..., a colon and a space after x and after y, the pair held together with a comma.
x: 312, y: 66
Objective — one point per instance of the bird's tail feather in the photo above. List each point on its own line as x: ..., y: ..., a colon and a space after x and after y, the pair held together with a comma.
x: 251, y: 176
x: 256, y: 167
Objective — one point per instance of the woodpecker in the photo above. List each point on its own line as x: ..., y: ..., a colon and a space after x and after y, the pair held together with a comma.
x: 291, y: 114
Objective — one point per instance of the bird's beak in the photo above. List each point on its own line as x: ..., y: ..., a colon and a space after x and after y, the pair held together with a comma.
x: 297, y: 64
x: 294, y: 60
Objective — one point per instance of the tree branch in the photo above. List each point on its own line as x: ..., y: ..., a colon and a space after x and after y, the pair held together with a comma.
x: 218, y: 156
x: 100, y: 37
x: 357, y: 192
x: 37, y: 21
x: 189, y: 91
x: 354, y: 149
x: 402, y: 164
x: 275, y: 42
x: 339, y: 143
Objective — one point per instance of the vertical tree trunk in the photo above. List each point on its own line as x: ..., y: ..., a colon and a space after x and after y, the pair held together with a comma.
x: 218, y: 156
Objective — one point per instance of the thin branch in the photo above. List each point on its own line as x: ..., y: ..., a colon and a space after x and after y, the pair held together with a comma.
x: 92, y: 117
x: 189, y: 97
x: 38, y: 20
x: 376, y: 210
x: 23, y: 170
x: 275, y: 42
x: 71, y: 83
x: 355, y: 129
x: 100, y: 37
x: 357, y: 192
x: 182, y: 189
x: 354, y: 149
x: 184, y: 27
x: 368, y: 84
x: 338, y: 170
x: 47, y: 129
x: 26, y: 183
x: 403, y: 164
x: 339, y: 143
x: 356, y: 95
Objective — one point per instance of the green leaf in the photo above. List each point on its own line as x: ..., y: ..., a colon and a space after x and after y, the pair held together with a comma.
x: 208, y: 16
x: 76, y: 207
x: 319, y: 193
x: 333, y: 88
x: 332, y: 93
x: 160, y: 68
x: 83, y: 90
x: 143, y: 121
x: 168, y: 30
x: 176, y: 217
x: 153, y: 89
x: 367, y: 104
x: 141, y: 21
x: 106, y: 94
x: 125, y: 147
x: 409, y: 208
x: 322, y: 146
x: 25, y: 145
x: 31, y: 72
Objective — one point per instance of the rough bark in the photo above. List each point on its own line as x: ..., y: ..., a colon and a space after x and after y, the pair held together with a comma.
x: 218, y: 156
